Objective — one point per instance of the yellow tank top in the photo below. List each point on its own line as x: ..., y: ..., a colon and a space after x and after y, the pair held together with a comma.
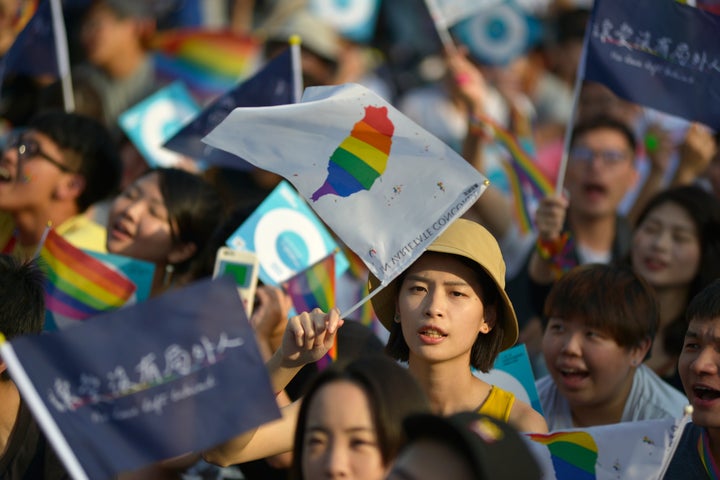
x: 498, y: 404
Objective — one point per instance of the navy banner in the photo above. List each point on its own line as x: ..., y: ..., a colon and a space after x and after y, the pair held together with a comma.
x: 658, y: 53
x: 176, y: 374
x: 272, y: 85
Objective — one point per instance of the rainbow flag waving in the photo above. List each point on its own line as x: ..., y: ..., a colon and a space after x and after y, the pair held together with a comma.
x: 79, y: 286
x: 527, y: 183
x: 312, y: 288
x: 209, y: 62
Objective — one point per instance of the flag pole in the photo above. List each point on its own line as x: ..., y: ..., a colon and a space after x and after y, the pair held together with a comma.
x: 296, y: 62
x: 42, y: 240
x: 40, y: 411
x: 360, y: 303
x: 573, y: 112
x: 440, y: 26
x: 63, y: 57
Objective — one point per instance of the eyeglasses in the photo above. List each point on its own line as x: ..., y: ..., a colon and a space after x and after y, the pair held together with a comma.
x: 608, y: 157
x: 28, y: 148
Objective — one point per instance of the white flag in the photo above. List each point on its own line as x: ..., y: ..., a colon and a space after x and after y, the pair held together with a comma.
x: 636, y: 450
x: 384, y: 185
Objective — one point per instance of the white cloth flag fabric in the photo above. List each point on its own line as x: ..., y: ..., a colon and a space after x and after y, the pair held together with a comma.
x: 384, y: 185
x: 637, y: 450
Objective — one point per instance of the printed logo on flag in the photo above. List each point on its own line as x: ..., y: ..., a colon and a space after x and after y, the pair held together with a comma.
x: 361, y: 158
x: 287, y: 237
x: 354, y: 19
x: 157, y: 118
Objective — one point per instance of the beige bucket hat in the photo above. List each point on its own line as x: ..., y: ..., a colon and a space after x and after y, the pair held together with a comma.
x: 470, y: 240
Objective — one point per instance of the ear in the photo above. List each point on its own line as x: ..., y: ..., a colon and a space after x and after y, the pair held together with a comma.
x: 489, y: 319
x: 639, y: 352
x: 181, y: 252
x: 70, y: 187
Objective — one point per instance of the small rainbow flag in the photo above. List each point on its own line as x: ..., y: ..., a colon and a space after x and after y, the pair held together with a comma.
x: 527, y: 183
x: 574, y: 454
x: 312, y: 288
x: 79, y: 286
x: 209, y: 62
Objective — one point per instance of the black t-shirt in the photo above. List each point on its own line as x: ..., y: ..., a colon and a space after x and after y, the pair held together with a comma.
x: 28, y: 454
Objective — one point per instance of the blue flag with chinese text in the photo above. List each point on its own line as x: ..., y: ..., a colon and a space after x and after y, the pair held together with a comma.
x: 658, y: 53
x: 272, y: 85
x: 176, y: 374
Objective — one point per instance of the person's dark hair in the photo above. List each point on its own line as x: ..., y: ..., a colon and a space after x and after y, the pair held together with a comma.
x: 704, y: 210
x: 392, y: 394
x: 22, y: 298
x: 193, y: 206
x: 604, y: 121
x: 487, y: 346
x: 89, y: 150
x: 204, y: 263
x: 611, y: 299
x: 706, y: 304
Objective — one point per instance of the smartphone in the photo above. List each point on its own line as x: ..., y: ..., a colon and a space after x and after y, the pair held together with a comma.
x: 243, y: 267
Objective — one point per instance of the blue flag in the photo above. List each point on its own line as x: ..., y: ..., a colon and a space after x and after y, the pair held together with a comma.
x: 272, y: 85
x: 176, y: 374
x: 33, y: 51
x: 658, y: 53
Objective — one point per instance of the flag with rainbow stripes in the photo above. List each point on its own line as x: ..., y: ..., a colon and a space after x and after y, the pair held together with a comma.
x: 313, y: 288
x: 79, y: 286
x: 209, y: 62
x: 527, y: 183
x: 628, y: 450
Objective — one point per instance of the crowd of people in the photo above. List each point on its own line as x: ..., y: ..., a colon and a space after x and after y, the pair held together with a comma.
x: 615, y: 293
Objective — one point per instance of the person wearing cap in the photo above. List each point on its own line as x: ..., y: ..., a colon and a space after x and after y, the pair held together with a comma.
x: 449, y: 312
x: 464, y: 446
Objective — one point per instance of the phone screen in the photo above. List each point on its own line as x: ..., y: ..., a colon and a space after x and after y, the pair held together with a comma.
x: 239, y: 272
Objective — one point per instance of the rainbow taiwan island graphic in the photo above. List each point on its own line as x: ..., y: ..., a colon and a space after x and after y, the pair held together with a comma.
x: 361, y: 158
x: 573, y: 454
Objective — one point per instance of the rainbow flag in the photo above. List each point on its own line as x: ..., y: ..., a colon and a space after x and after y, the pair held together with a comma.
x: 24, y: 13
x: 639, y: 450
x: 79, y: 286
x: 209, y: 62
x: 312, y: 288
x: 527, y: 183
x: 573, y: 453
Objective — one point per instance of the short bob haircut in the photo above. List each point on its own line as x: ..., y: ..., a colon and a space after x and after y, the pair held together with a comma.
x: 487, y: 346
x: 392, y: 394
x: 612, y: 299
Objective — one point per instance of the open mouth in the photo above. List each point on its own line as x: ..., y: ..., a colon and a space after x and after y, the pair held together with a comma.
x: 705, y: 393
x: 574, y: 374
x: 432, y: 333
x: 595, y: 189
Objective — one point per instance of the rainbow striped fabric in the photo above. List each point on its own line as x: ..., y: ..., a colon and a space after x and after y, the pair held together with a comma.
x: 312, y: 288
x: 361, y: 157
x: 209, y: 62
x: 527, y: 183
x: 79, y: 286
x: 573, y: 453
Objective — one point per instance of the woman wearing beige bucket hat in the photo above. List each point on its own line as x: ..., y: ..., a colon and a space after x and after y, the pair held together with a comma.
x: 449, y: 311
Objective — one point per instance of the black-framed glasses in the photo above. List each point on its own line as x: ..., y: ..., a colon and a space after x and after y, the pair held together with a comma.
x: 28, y: 148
